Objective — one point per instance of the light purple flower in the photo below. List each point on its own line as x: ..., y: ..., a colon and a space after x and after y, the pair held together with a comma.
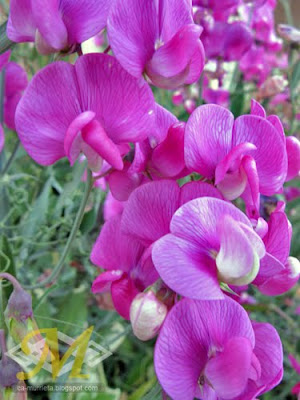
x: 56, y: 25
x: 68, y: 109
x: 244, y: 157
x: 210, y: 241
x: 210, y: 350
x: 157, y: 38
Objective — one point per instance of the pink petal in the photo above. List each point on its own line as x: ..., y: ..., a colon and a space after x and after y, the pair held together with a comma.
x: 293, y: 154
x: 172, y: 58
x: 45, y: 111
x: 173, y: 15
x: 186, y: 269
x: 196, y: 64
x: 269, y: 354
x: 15, y: 79
x: 270, y: 156
x: 149, y: 210
x: 84, y: 18
x: 122, y: 183
x: 132, y: 31
x: 123, y: 292
x: 197, y: 221
x: 96, y: 137
x: 123, y: 121
x: 21, y: 25
x: 229, y: 370
x: 193, y: 190
x: 112, y: 207
x: 164, y: 119
x: 208, y: 138
x: 4, y: 58
x: 257, y: 109
x: 277, y: 240
x: 251, y: 194
x: 46, y: 16
x: 103, y: 282
x: 168, y: 157
x: 113, y: 250
x: 294, y: 363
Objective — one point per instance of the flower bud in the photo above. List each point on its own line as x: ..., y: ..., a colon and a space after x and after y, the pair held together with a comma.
x: 289, y: 33
x: 19, y: 305
x: 147, y: 314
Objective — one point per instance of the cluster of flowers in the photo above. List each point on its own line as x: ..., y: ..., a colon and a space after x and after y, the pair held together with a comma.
x: 174, y: 247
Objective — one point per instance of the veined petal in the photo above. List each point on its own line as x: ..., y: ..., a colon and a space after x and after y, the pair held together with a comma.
x: 186, y: 269
x: 175, y: 55
x: 149, y: 210
x: 123, y: 292
x: 228, y: 371
x: 47, y: 16
x: 21, y: 25
x: 257, y: 109
x: 208, y: 138
x: 132, y: 31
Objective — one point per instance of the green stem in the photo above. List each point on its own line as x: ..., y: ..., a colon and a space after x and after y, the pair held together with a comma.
x: 5, y: 43
x: 11, y: 158
x: 287, y: 10
x: 59, y: 267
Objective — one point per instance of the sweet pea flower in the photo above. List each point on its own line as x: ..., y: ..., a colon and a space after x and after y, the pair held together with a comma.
x: 159, y: 156
x: 210, y: 241
x: 278, y: 272
x: 129, y: 268
x: 15, y: 82
x: 289, y: 33
x: 112, y: 207
x: 159, y: 39
x: 210, y: 350
x: 150, y: 207
x: 296, y: 366
x: 2, y: 138
x: 56, y: 25
x: 68, y: 109
x: 244, y: 157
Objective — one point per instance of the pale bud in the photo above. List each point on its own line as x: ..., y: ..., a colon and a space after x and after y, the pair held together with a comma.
x: 289, y: 33
x: 147, y: 314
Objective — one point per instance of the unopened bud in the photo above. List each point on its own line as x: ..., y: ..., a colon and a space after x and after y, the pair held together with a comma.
x: 19, y: 305
x: 289, y: 33
x: 178, y: 98
x: 190, y: 105
x: 8, y: 367
x: 147, y: 314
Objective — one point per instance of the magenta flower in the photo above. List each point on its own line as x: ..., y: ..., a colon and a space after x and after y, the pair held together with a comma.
x: 157, y: 38
x: 56, y: 25
x: 68, y: 109
x: 149, y: 209
x: 296, y: 366
x: 278, y: 272
x: 129, y: 268
x: 244, y: 157
x: 15, y: 79
x: 210, y: 350
x: 160, y: 156
x: 210, y: 241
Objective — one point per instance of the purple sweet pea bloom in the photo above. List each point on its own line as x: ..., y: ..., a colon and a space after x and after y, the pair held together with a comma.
x: 210, y: 350
x: 210, y: 241
x: 68, y: 109
x: 244, y: 157
x: 293, y: 154
x: 157, y: 38
x: 149, y: 209
x: 129, y: 269
x: 278, y: 272
x: 56, y: 25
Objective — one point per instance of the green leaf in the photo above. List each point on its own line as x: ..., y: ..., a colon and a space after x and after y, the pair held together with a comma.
x: 295, y: 79
x: 88, y: 221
